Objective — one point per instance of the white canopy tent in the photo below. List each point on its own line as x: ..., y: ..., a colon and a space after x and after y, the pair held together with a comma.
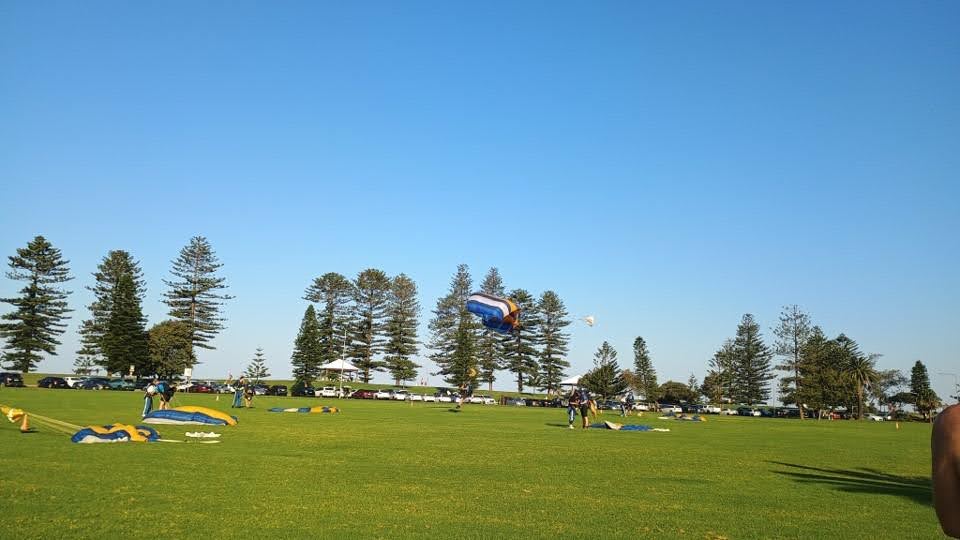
x: 342, y: 366
x: 572, y: 381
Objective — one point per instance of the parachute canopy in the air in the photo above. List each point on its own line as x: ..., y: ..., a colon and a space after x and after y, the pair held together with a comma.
x: 499, y: 314
x: 190, y: 415
x: 115, y: 433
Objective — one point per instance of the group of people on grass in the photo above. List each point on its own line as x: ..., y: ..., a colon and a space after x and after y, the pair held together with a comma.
x: 580, y: 401
x: 242, y: 392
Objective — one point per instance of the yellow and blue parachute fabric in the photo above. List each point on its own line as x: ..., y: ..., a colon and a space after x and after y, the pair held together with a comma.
x: 189, y: 414
x: 498, y: 314
x: 115, y: 433
x: 317, y: 410
x: 626, y: 427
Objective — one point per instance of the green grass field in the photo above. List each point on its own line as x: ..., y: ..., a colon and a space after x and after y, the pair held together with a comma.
x: 391, y: 469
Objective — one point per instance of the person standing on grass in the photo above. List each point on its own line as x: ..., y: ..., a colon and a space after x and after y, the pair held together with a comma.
x: 148, y: 394
x: 573, y: 403
x: 165, y: 390
x: 238, y: 392
x: 585, y: 400
x: 945, y: 448
x: 248, y: 393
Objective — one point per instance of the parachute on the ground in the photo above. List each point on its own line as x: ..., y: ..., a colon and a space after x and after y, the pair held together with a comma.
x: 498, y: 314
x: 626, y: 427
x: 317, y: 410
x: 190, y: 415
x: 115, y: 433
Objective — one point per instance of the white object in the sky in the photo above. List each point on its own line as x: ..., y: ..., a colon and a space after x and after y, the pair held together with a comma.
x: 590, y: 320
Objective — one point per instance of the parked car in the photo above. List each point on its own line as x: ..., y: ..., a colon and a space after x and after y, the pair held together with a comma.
x: 641, y: 407
x: 710, y: 409
x: 383, y: 394
x: 747, y: 411
x: 53, y: 382
x: 475, y: 399
x: 120, y: 384
x: 303, y: 390
x: 670, y: 407
x: 728, y: 412
x: 416, y: 397
x: 11, y: 379
x: 487, y: 400
x: 260, y: 389
x: 72, y: 381
x: 429, y: 397
x: 328, y: 391
x: 94, y: 383
x: 277, y: 390
x: 200, y: 388
x: 400, y: 395
x: 446, y: 398
x: 515, y: 401
x: 363, y: 393
x: 875, y: 418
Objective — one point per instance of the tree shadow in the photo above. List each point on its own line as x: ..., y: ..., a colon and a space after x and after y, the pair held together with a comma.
x: 862, y: 480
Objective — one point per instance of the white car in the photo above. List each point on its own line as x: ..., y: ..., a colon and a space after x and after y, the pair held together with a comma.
x: 416, y: 397
x: 71, y: 381
x: 475, y: 399
x: 874, y: 418
x: 326, y: 391
x: 184, y: 386
x: 711, y: 409
x: 446, y: 398
x: 641, y: 407
x: 429, y: 397
x: 487, y: 400
x: 729, y: 412
x: 383, y: 394
x: 400, y: 395
x: 666, y: 408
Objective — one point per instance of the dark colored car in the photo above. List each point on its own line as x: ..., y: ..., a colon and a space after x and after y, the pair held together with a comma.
x: 363, y: 393
x: 277, y: 390
x: 53, y: 382
x: 303, y: 390
x: 11, y: 379
x: 200, y: 388
x: 142, y: 384
x: 692, y: 408
x: 94, y: 383
x: 120, y: 384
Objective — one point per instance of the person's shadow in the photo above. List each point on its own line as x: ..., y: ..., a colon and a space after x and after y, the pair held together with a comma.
x: 861, y: 480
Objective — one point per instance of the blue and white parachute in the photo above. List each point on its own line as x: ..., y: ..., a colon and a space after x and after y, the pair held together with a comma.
x: 498, y: 314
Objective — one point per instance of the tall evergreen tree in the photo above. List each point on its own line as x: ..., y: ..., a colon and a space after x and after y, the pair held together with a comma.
x: 258, y: 366
x: 821, y: 369
x: 792, y: 333
x: 924, y: 398
x: 454, y: 332
x: 490, y: 344
x: 371, y: 294
x: 194, y: 295
x: 116, y: 332
x: 554, y: 340
x: 605, y: 379
x: 335, y: 294
x: 520, y: 350
x: 717, y: 385
x: 37, y: 320
x: 643, y: 368
x: 694, y: 387
x: 307, y: 358
x: 89, y: 351
x: 403, y: 312
x: 83, y: 366
x: 751, y: 368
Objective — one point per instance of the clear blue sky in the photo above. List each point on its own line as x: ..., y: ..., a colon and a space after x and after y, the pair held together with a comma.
x: 666, y: 168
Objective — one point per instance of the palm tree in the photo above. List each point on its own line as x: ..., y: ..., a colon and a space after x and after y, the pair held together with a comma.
x: 861, y: 369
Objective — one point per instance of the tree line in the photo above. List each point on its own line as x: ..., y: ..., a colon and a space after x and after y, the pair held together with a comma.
x: 115, y: 334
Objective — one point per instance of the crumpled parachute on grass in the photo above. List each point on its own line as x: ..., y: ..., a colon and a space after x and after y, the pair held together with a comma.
x: 626, y: 427
x: 115, y: 433
x: 189, y: 414
x: 317, y: 410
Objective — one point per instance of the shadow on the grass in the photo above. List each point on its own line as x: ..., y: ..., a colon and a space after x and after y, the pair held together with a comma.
x: 862, y: 480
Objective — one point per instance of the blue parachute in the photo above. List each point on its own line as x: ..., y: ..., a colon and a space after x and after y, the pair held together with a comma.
x: 115, y: 433
x: 498, y: 314
x: 190, y: 415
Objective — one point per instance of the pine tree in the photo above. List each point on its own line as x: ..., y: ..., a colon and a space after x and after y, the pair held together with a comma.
x: 490, y: 344
x: 116, y: 333
x: 335, y: 293
x: 751, y: 367
x: 924, y: 398
x: 792, y: 333
x: 605, y: 379
x: 307, y: 355
x: 39, y: 311
x: 553, y: 341
x: 454, y: 331
x: 694, y: 388
x: 371, y: 293
x: 520, y: 351
x: 83, y: 365
x: 258, y: 366
x: 821, y: 369
x: 717, y: 385
x: 643, y: 369
x: 171, y: 348
x: 194, y: 298
x: 403, y: 312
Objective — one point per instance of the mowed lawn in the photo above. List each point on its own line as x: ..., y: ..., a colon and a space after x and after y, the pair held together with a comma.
x: 391, y: 469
